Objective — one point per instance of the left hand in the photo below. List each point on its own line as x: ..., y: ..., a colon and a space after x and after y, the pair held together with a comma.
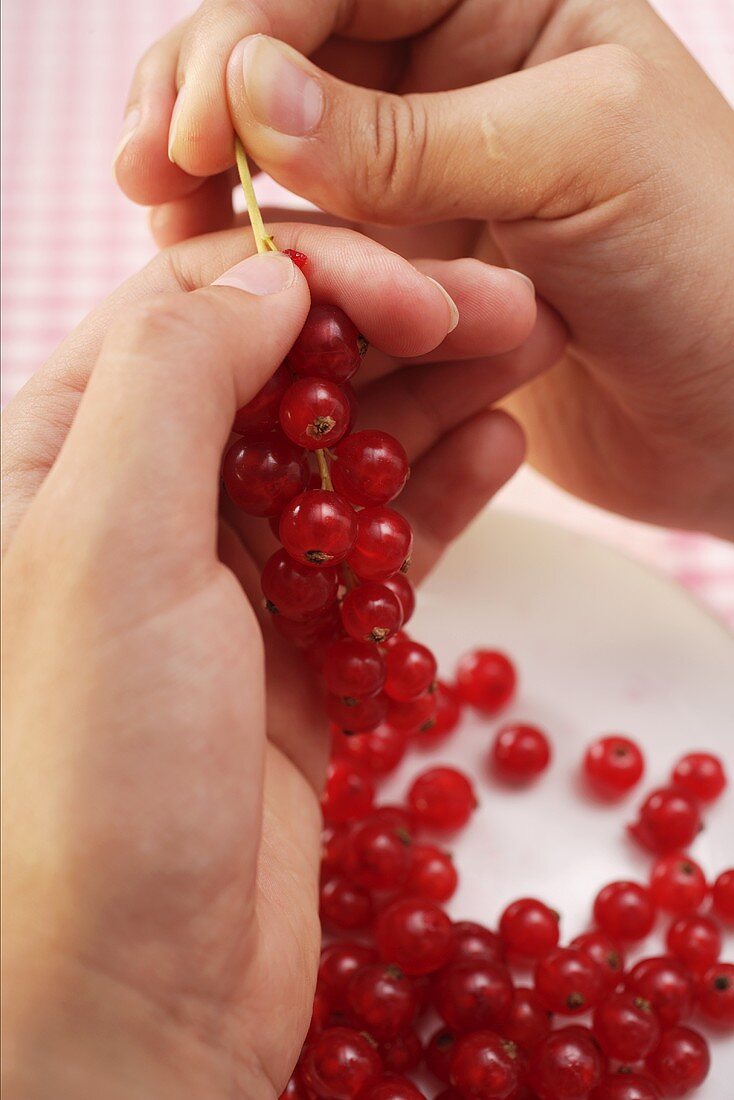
x: 162, y: 926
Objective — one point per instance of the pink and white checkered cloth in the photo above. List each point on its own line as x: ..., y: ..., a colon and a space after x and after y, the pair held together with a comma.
x: 69, y: 237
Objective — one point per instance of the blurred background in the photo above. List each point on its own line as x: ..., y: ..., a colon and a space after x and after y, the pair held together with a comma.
x: 69, y: 237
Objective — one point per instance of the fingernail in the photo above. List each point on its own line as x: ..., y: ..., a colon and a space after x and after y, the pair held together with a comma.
x: 453, y: 308
x: 528, y: 281
x: 266, y: 273
x: 175, y: 116
x: 281, y: 94
x: 129, y: 126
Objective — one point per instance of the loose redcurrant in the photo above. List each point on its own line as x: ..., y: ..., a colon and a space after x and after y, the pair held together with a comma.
x: 339, y: 1063
x: 261, y: 476
x: 318, y: 528
x: 715, y: 994
x: 369, y: 468
x: 568, y: 981
x: 377, y: 752
x: 665, y: 985
x: 529, y: 929
x: 401, y: 1053
x: 520, y: 753
x: 348, y: 793
x: 314, y: 413
x: 605, y: 952
x: 411, y: 671
x: 612, y: 766
x: 473, y: 994
x: 626, y: 1027
x: 669, y: 820
x: 624, y: 1085
x: 677, y: 883
x: 295, y: 590
x: 722, y: 896
x: 403, y: 589
x: 680, y: 1062
x: 416, y: 934
x: 439, y: 1051
x: 352, y: 669
x: 486, y: 680
x: 381, y: 999
x: 377, y: 855
x: 700, y: 775
x: 371, y: 613
x: 339, y: 963
x: 695, y: 940
x: 625, y: 910
x: 356, y: 715
x: 484, y: 1066
x: 528, y: 1021
x: 344, y: 905
x: 442, y: 798
x: 261, y: 413
x: 392, y: 1088
x: 328, y: 346
x: 566, y: 1065
x: 432, y: 873
x: 382, y: 545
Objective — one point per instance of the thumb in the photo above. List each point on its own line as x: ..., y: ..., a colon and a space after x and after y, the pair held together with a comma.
x: 545, y: 141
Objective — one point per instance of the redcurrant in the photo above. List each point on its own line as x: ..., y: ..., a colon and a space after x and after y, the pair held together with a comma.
x: 392, y: 1088
x: 377, y: 752
x: 669, y: 819
x: 520, y: 753
x: 416, y: 934
x: 680, y: 1062
x: 314, y: 413
x: 529, y: 929
x: 446, y: 717
x: 261, y: 413
x: 568, y: 981
x: 318, y: 528
x: 371, y: 613
x: 695, y: 940
x: 486, y: 680
x: 403, y: 589
x: 401, y: 1053
x: 369, y: 468
x: 432, y: 873
x: 339, y: 963
x: 442, y: 798
x: 417, y: 716
x: 625, y: 910
x: 439, y: 1051
x: 566, y: 1065
x: 339, y: 1063
x: 626, y: 1027
x: 352, y: 669
x: 345, y: 905
x: 484, y: 1066
x: 348, y: 793
x: 722, y: 896
x: 411, y: 671
x: 261, y: 476
x: 624, y: 1085
x: 381, y: 999
x: 377, y: 855
x: 665, y: 985
x: 528, y: 1021
x: 473, y: 994
x: 382, y: 545
x: 677, y: 883
x: 295, y: 590
x: 356, y: 715
x: 328, y: 346
x: 700, y: 775
x: 605, y: 952
x: 612, y: 766
x: 715, y: 994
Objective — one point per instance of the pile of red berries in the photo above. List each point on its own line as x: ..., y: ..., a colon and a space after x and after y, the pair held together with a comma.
x: 401, y: 986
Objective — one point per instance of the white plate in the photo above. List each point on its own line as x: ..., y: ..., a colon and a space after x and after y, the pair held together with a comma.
x: 602, y: 645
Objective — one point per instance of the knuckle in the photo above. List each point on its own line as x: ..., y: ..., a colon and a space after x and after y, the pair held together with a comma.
x: 621, y: 81
x: 391, y: 170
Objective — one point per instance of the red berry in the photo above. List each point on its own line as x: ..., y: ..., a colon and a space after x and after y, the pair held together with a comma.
x: 473, y: 994
x: 442, y: 798
x: 321, y: 630
x: 320, y: 1013
x: 403, y: 589
x: 377, y: 752
x: 370, y: 468
x: 417, y: 716
x: 439, y: 1051
x: 300, y: 259
x: 333, y: 849
x: 626, y: 1027
x: 381, y: 999
x: 484, y: 1066
x: 486, y: 680
x: 626, y: 1086
x: 474, y: 941
x: 371, y: 613
x: 262, y: 476
x: 520, y: 753
x: 722, y: 896
x: 314, y: 413
x: 345, y: 905
x: 695, y: 940
x: 446, y: 717
x: 677, y: 883
x: 398, y: 816
x: 295, y: 1089
x: 411, y: 671
x: 392, y: 1088
x: 668, y: 820
x: 261, y: 413
x: 715, y: 994
x: 328, y: 346
x: 625, y: 910
x: 566, y: 1065
x: 612, y: 766
x: 318, y: 528
x: 529, y: 929
x: 432, y: 873
x: 377, y: 855
x: 401, y: 1053
x: 297, y: 591
x: 348, y: 793
x: 527, y: 1021
x: 700, y: 775
x: 568, y: 981
x: 352, y: 669
x: 383, y: 544
x: 415, y: 934
x: 339, y: 1063
x: 605, y: 952
x: 356, y: 715
x: 680, y: 1062
x: 664, y: 984
x: 339, y: 963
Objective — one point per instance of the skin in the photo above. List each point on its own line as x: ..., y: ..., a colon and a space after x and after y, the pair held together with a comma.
x: 587, y: 149
x: 164, y: 747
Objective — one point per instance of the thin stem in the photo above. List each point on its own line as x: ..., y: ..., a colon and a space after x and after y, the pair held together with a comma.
x: 263, y: 240
x: 324, y: 471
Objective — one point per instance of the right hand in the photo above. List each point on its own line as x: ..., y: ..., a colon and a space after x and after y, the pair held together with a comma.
x: 580, y: 144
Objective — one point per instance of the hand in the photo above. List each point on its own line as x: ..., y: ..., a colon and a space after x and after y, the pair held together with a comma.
x: 581, y: 145
x: 162, y: 855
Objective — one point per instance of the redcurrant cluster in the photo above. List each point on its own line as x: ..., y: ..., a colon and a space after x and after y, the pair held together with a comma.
x: 337, y: 588
x: 404, y: 990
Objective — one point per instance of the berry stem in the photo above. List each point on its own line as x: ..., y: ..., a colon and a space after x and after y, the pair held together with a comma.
x: 263, y: 240
x: 324, y: 471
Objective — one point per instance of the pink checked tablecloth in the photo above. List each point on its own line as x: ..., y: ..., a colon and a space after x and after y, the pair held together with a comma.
x: 69, y: 237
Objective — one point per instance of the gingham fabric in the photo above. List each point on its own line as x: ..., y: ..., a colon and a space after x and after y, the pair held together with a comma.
x: 69, y: 237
